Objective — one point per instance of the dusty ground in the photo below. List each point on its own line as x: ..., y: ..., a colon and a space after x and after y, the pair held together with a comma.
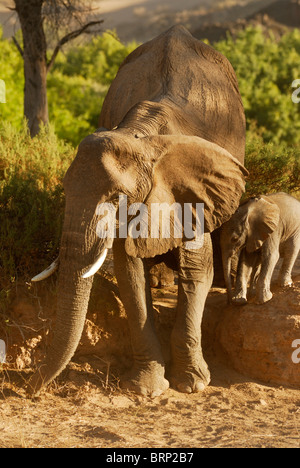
x: 86, y: 408
x: 231, y: 412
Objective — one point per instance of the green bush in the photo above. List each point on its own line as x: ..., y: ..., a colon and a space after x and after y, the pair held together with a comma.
x: 31, y: 170
x: 31, y: 199
x: 272, y: 167
x: 266, y: 69
x: 81, y: 76
x: 77, y: 84
x: 11, y: 71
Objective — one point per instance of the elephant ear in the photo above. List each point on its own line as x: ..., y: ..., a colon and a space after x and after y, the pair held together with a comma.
x: 263, y: 219
x: 187, y: 171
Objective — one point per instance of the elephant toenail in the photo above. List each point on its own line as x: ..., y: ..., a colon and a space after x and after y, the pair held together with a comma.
x: 199, y: 387
x: 184, y: 388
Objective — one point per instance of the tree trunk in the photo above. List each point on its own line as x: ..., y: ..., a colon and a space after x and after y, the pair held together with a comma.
x: 35, y: 63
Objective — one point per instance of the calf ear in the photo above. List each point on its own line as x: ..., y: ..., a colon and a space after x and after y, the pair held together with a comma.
x: 188, y: 170
x: 263, y: 219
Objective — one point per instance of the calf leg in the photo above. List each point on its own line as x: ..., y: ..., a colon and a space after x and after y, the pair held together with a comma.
x: 291, y: 252
x: 253, y: 280
x: 248, y: 263
x: 270, y: 257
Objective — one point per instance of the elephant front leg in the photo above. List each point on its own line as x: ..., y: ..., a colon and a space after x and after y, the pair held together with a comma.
x: 270, y: 257
x: 291, y: 252
x: 247, y: 268
x: 147, y: 375
x: 189, y: 371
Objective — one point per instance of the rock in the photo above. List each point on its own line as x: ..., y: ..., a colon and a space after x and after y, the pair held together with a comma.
x: 257, y: 339
x: 263, y: 402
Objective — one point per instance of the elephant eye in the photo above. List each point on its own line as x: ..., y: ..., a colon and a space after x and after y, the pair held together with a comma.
x: 234, y: 239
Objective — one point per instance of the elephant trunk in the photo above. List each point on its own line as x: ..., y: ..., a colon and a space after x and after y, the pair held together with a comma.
x: 76, y: 253
x: 227, y: 262
x: 73, y: 297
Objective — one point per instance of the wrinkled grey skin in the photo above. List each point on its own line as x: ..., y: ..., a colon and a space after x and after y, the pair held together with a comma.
x: 262, y: 230
x: 171, y: 137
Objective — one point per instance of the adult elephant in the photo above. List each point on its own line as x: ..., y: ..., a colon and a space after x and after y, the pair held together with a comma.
x: 175, y: 133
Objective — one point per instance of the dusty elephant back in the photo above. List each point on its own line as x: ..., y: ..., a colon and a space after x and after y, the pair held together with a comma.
x: 188, y: 76
x: 289, y: 211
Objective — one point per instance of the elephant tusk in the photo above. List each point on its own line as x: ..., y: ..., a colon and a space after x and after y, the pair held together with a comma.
x: 48, y: 272
x: 96, y: 266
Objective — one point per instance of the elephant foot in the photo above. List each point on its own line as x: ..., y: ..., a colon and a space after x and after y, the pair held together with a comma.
x: 145, y: 380
x: 190, y: 381
x: 240, y: 297
x: 286, y: 283
x: 239, y: 301
x: 264, y: 297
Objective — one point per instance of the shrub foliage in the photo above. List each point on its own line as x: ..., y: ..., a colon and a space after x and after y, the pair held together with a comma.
x: 31, y: 198
x: 32, y: 170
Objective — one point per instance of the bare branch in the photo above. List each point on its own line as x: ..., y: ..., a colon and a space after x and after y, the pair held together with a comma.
x: 18, y: 46
x: 61, y: 13
x: 69, y: 37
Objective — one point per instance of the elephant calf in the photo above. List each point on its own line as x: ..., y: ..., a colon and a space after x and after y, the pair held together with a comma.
x: 263, y: 229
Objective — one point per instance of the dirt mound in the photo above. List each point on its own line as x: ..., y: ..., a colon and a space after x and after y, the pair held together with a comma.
x: 278, y: 18
x: 285, y: 12
x: 27, y: 328
x: 255, y: 340
x: 210, y: 19
x: 258, y: 339
x: 85, y: 407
